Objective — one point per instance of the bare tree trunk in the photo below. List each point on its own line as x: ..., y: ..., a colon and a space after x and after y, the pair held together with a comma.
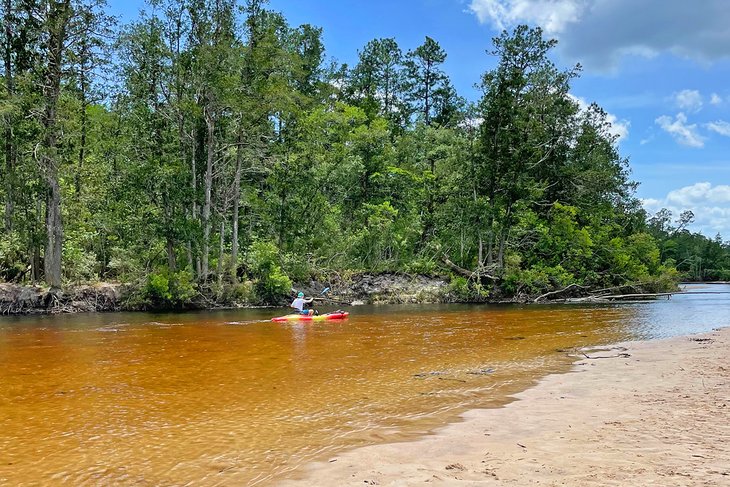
x: 171, y: 256
x: 236, y: 204
x: 189, y: 249
x: 84, y: 118
x: 34, y: 248
x: 504, y: 236
x: 57, y: 19
x: 54, y: 232
x: 210, y: 123
x: 194, y: 184
x: 221, y: 251
x: 9, y: 147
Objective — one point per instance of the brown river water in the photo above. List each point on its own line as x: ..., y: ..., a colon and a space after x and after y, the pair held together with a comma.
x: 230, y: 398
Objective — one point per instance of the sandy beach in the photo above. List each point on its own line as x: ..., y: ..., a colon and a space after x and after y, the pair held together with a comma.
x: 638, y: 413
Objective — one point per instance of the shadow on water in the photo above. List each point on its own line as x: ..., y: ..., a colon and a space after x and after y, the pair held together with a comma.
x: 228, y: 397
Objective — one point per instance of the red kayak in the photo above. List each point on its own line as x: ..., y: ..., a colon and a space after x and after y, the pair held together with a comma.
x: 336, y: 315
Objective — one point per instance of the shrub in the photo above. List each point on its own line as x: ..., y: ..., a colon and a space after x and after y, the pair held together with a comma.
x: 464, y: 290
x: 270, y: 282
x: 12, y: 262
x: 169, y: 289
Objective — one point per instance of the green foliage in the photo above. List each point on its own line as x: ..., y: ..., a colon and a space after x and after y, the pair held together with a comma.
x: 241, y: 157
x: 538, y: 279
x: 270, y: 282
x: 80, y: 266
x: 466, y: 291
x: 12, y: 265
x: 165, y: 289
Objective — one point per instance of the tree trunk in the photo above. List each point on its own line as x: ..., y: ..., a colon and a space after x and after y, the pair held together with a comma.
x: 427, y: 103
x: 210, y: 123
x: 54, y: 232
x: 57, y: 19
x: 221, y: 251
x: 194, y: 171
x: 84, y: 116
x: 236, y: 204
x: 171, y: 256
x: 9, y: 147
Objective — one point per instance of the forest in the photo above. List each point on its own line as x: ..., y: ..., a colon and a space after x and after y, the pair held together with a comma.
x: 210, y: 148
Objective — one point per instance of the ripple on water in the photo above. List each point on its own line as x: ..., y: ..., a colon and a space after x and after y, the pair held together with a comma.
x: 189, y: 399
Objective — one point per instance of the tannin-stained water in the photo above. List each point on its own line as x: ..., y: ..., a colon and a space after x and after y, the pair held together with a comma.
x: 229, y: 398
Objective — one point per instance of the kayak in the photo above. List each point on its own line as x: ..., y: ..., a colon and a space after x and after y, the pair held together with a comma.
x: 336, y: 315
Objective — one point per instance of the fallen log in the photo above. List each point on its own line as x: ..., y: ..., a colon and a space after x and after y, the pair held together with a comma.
x: 612, y: 297
x: 561, y: 291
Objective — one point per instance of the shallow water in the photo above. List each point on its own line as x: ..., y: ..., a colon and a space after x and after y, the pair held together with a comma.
x: 229, y: 398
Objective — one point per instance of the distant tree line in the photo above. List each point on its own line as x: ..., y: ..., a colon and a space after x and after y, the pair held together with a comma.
x: 211, y: 147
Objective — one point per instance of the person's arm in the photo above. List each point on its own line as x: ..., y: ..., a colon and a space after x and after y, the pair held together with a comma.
x: 309, y: 300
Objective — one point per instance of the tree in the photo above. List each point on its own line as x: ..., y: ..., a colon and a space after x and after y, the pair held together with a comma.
x: 425, y: 80
x: 522, y: 111
x: 377, y: 82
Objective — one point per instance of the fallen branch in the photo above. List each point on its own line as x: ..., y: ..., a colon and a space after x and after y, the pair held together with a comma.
x: 465, y: 272
x: 636, y: 296
x: 620, y: 355
x: 561, y: 291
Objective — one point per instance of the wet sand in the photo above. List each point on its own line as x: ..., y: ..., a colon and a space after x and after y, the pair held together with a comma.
x: 638, y: 413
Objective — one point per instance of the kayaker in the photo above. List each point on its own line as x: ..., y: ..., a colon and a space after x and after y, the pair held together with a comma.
x: 298, y: 304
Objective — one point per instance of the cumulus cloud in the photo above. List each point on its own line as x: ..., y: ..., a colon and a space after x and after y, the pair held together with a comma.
x: 599, y: 32
x: 720, y: 126
x: 552, y: 15
x: 710, y: 205
x: 699, y: 193
x: 680, y: 130
x: 715, y: 99
x: 689, y: 100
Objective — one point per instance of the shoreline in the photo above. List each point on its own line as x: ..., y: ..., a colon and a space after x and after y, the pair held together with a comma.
x: 638, y: 413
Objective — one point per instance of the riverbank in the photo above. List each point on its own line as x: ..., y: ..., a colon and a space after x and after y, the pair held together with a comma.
x: 639, y: 413
x: 366, y: 288
x: 355, y: 289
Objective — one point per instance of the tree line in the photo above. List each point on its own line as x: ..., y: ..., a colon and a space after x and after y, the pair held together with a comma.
x: 211, y: 146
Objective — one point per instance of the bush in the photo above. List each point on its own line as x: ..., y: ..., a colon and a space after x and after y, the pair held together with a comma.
x: 78, y: 264
x: 165, y: 289
x: 466, y: 291
x: 270, y: 282
x: 538, y: 279
x: 12, y: 261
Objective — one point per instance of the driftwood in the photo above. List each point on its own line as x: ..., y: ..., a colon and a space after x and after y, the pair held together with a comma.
x: 620, y: 355
x: 612, y: 297
x: 465, y: 272
x: 609, y: 298
x: 561, y: 291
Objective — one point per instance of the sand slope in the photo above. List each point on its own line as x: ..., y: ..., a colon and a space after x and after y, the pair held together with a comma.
x: 644, y: 413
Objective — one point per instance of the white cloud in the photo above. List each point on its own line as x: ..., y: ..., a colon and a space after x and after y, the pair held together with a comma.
x: 680, y: 130
x: 715, y: 99
x: 689, y: 100
x: 646, y: 140
x: 598, y: 33
x: 699, y: 193
x: 710, y: 205
x: 552, y: 15
x: 619, y: 128
x: 720, y: 126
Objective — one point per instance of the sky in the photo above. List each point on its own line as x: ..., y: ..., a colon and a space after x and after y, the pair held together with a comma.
x: 660, y: 68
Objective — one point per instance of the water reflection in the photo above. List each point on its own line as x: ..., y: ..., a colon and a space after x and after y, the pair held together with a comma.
x: 229, y: 398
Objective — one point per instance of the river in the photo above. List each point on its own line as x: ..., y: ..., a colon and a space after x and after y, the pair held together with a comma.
x: 230, y: 398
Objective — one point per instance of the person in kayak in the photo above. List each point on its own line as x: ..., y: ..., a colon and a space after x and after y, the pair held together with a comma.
x: 298, y: 304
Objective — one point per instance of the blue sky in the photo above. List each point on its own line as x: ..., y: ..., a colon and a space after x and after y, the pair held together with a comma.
x: 660, y: 68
